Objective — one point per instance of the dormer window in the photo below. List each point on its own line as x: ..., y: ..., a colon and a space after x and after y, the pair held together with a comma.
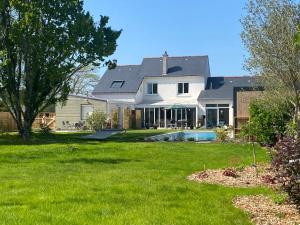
x: 117, y: 84
x: 152, y: 88
x: 183, y: 88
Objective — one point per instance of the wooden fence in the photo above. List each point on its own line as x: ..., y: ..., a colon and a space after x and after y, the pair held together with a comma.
x: 8, y: 124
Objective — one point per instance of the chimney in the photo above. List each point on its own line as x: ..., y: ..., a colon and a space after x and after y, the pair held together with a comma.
x: 165, y: 63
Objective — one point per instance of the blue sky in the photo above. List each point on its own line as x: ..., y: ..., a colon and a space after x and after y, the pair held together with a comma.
x: 190, y: 27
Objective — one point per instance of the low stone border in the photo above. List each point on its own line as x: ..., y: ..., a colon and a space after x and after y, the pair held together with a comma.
x: 245, y: 177
x: 264, y: 211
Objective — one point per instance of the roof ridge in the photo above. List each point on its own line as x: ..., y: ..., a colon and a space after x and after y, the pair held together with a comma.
x: 128, y: 65
x: 246, y: 76
x: 184, y: 56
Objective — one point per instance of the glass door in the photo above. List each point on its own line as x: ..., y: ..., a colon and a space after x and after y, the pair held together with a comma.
x: 211, y: 118
x: 223, y: 116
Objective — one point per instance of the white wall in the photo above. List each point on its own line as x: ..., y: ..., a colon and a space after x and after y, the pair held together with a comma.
x: 168, y: 88
x: 118, y: 97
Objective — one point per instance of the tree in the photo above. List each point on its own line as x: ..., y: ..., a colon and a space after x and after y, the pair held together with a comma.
x: 268, y: 122
x: 97, y: 120
x: 268, y: 33
x: 42, y: 45
x: 84, y: 81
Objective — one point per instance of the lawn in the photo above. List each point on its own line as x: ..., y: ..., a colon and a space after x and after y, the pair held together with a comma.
x: 61, y: 179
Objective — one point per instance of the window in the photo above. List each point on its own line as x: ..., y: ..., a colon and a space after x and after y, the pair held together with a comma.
x: 152, y: 88
x: 183, y: 88
x: 117, y: 84
x: 86, y: 111
x: 211, y: 105
x: 223, y: 105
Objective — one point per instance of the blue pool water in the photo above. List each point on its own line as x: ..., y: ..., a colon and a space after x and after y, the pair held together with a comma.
x: 185, y: 136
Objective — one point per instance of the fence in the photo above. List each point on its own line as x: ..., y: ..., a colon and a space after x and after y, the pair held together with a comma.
x: 8, y: 124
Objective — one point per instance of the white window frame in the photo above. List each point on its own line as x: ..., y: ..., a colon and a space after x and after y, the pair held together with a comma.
x: 152, y: 92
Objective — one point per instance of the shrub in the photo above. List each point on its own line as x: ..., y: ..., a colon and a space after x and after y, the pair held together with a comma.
x: 97, y: 120
x: 286, y: 161
x: 223, y: 133
x: 230, y: 173
x: 267, y: 122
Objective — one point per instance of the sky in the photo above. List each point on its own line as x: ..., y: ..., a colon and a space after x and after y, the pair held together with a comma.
x: 180, y: 27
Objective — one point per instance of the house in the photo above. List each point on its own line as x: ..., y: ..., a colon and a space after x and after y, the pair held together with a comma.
x: 76, y: 110
x: 169, y: 91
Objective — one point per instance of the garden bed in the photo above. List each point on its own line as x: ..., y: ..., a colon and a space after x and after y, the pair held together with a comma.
x: 264, y: 211
x: 243, y: 177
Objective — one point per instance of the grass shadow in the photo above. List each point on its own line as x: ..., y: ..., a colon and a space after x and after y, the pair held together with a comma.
x: 99, y: 161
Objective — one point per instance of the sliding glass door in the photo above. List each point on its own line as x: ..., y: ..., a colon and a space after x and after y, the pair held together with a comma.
x: 212, y: 118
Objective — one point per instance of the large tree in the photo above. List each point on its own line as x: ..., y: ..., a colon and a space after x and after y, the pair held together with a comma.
x: 42, y: 45
x: 84, y: 81
x: 269, y: 29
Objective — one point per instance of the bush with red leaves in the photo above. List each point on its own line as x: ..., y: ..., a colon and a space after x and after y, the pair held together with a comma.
x: 202, y: 175
x: 268, y: 179
x: 286, y: 161
x: 230, y: 173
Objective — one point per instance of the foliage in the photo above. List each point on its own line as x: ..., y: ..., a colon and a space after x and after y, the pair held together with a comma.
x: 230, y: 173
x: 223, y: 133
x: 84, y: 81
x: 286, y: 161
x: 267, y: 122
x: 97, y: 120
x: 269, y: 29
x: 43, y: 44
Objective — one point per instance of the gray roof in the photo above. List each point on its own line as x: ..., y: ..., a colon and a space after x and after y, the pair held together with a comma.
x: 177, y: 66
x: 129, y: 74
x: 152, y: 67
x: 222, y: 87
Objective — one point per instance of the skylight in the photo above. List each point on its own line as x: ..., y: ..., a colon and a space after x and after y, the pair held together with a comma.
x: 117, y: 84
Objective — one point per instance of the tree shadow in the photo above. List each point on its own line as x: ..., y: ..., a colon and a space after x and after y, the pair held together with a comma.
x: 76, y: 138
x: 98, y: 161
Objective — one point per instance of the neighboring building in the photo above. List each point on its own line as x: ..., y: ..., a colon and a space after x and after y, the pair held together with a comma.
x: 169, y: 91
x: 77, y: 109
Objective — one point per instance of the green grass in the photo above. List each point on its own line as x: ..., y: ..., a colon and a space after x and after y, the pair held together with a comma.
x: 61, y: 179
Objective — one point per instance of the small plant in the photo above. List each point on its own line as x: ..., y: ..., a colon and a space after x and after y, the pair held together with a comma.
x: 202, y: 175
x: 97, y: 120
x: 230, y: 173
x: 268, y: 179
x: 223, y: 133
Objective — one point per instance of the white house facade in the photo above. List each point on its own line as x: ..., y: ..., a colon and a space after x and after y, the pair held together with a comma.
x: 171, y: 92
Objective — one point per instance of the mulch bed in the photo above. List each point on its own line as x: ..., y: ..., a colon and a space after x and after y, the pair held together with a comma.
x: 246, y: 177
x: 264, y: 211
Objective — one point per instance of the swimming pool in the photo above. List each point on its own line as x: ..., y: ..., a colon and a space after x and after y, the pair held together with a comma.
x: 185, y: 136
